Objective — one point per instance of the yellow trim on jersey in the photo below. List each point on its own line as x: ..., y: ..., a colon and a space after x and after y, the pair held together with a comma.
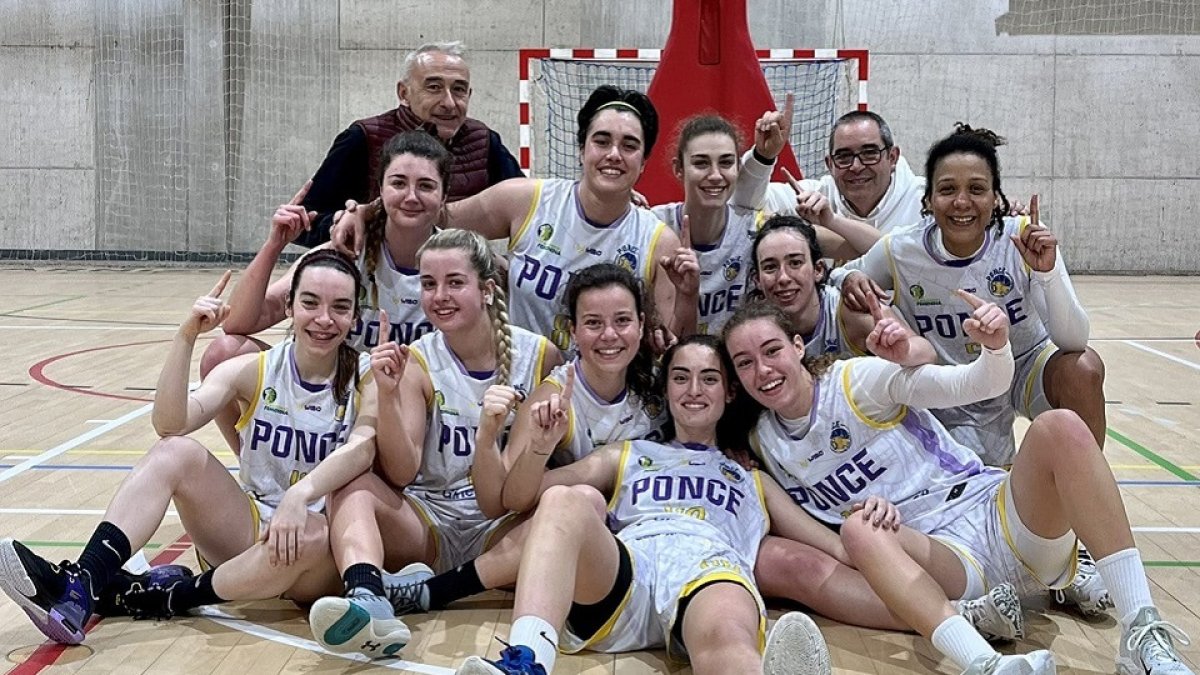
x: 419, y: 507
x: 651, y: 267
x: 760, y: 217
x: 695, y: 585
x: 964, y: 555
x: 413, y: 351
x: 762, y: 496
x: 537, y: 197
x: 605, y: 630
x: 874, y: 424
x: 841, y: 325
x: 999, y: 502
x: 1039, y: 364
x: 566, y: 439
x: 248, y: 413
x: 619, y: 479
x: 539, y: 363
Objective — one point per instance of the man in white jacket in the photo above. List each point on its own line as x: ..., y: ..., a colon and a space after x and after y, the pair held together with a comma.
x: 868, y: 180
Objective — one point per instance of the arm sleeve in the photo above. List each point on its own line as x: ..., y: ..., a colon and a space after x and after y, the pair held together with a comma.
x: 873, y: 263
x: 501, y: 163
x: 340, y: 177
x: 1054, y: 299
x: 751, y: 189
x: 878, y: 387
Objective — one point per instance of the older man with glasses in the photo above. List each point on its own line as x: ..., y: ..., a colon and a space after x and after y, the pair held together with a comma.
x: 868, y: 180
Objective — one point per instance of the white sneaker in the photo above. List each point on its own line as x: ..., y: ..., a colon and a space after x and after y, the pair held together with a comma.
x: 1040, y: 662
x: 406, y: 589
x: 1086, y: 593
x: 361, y: 623
x: 997, y: 615
x: 795, y: 646
x: 1148, y: 646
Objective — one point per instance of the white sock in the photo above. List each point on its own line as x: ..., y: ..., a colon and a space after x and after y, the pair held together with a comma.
x: 539, y: 636
x: 957, y: 638
x: 1125, y: 577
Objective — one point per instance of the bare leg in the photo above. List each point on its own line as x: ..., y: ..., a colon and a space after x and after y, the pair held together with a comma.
x: 251, y: 576
x: 720, y: 630
x: 221, y: 349
x: 789, y: 569
x: 369, y: 522
x: 1075, y: 381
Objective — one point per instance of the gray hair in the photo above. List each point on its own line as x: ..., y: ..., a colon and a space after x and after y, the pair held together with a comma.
x: 885, y: 132
x: 454, y: 48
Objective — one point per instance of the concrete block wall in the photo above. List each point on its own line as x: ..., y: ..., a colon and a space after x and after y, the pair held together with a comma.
x: 1100, y: 123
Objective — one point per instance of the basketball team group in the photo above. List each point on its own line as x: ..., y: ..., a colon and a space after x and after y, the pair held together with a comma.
x: 647, y: 421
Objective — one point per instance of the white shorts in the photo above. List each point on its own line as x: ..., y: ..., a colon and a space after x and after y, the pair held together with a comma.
x: 456, y: 539
x: 995, y: 546
x: 666, y: 569
x: 987, y: 426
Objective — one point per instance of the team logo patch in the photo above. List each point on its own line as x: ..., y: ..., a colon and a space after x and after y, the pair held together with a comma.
x: 627, y: 258
x: 645, y: 462
x: 545, y: 231
x: 1000, y: 282
x: 917, y: 292
x: 269, y: 395
x: 732, y: 472
x: 340, y: 413
x: 839, y: 438
x: 733, y: 268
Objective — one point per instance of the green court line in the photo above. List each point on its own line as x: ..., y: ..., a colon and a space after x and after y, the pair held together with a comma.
x: 44, y: 304
x: 1171, y: 563
x: 1149, y: 454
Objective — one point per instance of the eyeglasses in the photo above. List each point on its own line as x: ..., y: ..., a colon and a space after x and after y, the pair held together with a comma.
x: 868, y: 156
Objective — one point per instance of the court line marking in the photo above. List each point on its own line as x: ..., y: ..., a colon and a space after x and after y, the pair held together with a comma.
x: 62, y: 512
x: 1170, y: 357
x: 74, y: 443
x: 259, y: 631
x: 1149, y: 454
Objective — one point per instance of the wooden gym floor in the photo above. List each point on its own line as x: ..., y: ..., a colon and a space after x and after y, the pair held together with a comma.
x: 81, y: 353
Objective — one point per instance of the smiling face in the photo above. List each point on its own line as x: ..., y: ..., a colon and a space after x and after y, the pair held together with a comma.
x: 451, y: 295
x: 962, y: 201
x: 613, y: 153
x: 322, y: 309
x: 437, y: 91
x: 697, y: 389
x: 787, y: 274
x: 709, y: 170
x: 862, y: 185
x: 412, y: 192
x: 770, y: 367
x: 607, y: 327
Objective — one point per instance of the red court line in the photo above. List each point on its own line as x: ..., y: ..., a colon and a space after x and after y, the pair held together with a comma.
x: 38, y: 371
x: 49, y: 652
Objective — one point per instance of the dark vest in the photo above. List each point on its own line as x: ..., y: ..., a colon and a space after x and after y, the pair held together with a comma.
x: 468, y: 149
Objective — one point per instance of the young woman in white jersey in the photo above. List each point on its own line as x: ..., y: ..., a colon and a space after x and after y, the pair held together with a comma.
x: 860, y: 428
x: 556, y: 227
x: 709, y: 221
x: 302, y: 399
x: 787, y: 269
x: 968, y: 241
x: 688, y: 523
x: 414, y: 170
x: 420, y: 507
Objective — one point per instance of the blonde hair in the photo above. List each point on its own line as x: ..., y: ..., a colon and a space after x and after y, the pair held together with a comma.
x: 479, y: 255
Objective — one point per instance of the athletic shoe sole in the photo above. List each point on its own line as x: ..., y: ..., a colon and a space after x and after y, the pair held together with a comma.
x: 18, y: 585
x: 795, y: 646
x: 475, y: 665
x: 343, y: 628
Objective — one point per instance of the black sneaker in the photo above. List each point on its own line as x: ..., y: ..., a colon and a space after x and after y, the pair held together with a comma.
x: 57, y: 598
x: 143, y: 596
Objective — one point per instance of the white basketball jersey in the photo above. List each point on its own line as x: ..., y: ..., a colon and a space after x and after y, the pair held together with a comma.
x: 695, y: 490
x: 449, y: 448
x: 722, y: 265
x: 555, y: 241
x: 397, y: 291
x: 290, y: 425
x: 829, y: 335
x: 844, y: 458
x: 594, y: 422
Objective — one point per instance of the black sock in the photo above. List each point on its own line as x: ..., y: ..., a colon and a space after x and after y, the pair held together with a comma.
x: 104, y: 554
x: 194, y: 593
x: 365, y: 576
x: 460, y: 582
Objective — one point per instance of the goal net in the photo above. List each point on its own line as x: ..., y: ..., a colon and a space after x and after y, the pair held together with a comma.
x: 555, y: 83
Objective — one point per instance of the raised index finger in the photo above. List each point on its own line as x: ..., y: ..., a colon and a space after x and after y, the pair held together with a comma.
x: 787, y: 175
x: 220, y: 287
x: 1033, y: 211
x: 970, y: 299
x: 789, y: 106
x: 385, y: 327
x: 873, y: 306
x: 685, y: 233
x: 569, y: 385
x: 299, y: 198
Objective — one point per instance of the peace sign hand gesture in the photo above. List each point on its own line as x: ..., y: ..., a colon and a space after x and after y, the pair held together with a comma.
x: 1037, y: 245
x: 208, y: 311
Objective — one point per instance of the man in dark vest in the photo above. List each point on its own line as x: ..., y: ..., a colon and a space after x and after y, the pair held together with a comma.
x: 434, y: 91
